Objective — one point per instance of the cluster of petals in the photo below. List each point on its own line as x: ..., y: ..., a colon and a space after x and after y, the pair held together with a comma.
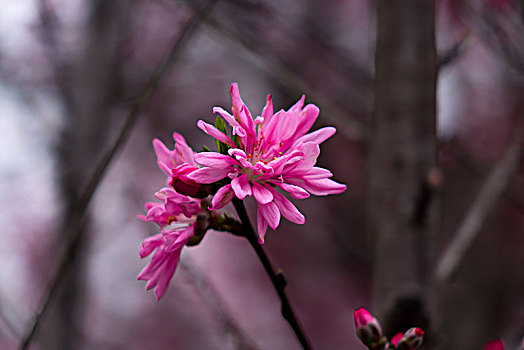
x: 272, y: 151
x: 175, y: 214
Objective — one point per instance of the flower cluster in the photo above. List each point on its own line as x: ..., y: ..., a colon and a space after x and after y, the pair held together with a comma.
x: 369, y: 331
x: 261, y: 157
x: 176, y: 217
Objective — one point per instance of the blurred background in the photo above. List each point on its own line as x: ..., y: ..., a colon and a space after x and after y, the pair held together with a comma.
x: 71, y: 72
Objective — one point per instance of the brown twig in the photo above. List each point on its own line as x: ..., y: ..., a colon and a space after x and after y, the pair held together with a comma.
x: 353, y: 128
x: 277, y: 278
x: 96, y: 177
x: 490, y: 191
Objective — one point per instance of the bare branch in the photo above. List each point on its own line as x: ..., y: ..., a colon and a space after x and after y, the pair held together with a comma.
x: 491, y: 190
x: 211, y: 298
x: 277, y: 277
x: 452, y: 54
x: 74, y: 234
x: 352, y: 128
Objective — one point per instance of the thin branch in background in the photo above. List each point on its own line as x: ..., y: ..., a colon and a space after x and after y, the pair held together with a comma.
x: 491, y: 190
x: 49, y: 23
x: 277, y: 278
x: 74, y: 235
x: 513, y: 192
x: 8, y: 318
x: 209, y: 295
x: 455, y: 52
x: 352, y: 128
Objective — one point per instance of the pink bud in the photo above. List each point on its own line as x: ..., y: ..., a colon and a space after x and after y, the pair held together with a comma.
x: 494, y: 345
x: 181, y: 183
x: 396, y: 339
x: 413, y: 338
x: 362, y: 317
x: 367, y: 327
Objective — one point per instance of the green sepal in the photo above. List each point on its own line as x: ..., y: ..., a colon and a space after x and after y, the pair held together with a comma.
x: 236, y: 140
x: 221, y: 125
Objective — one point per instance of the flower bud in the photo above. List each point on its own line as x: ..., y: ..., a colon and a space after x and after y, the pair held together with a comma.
x: 494, y: 345
x: 411, y: 340
x: 396, y: 339
x: 367, y: 327
x: 184, y: 185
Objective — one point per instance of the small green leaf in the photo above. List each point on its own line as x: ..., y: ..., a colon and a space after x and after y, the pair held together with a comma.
x: 206, y: 149
x: 220, y: 124
x: 236, y: 140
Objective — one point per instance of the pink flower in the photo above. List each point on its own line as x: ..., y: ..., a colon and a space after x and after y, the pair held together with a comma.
x: 272, y: 151
x: 494, y: 345
x: 367, y: 327
x: 167, y: 246
x: 174, y: 207
x: 168, y: 159
x: 176, y: 216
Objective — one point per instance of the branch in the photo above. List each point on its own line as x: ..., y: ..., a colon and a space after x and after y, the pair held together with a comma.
x: 74, y: 232
x: 277, y: 278
x: 489, y: 193
x: 452, y: 54
x: 352, y: 128
x: 211, y: 298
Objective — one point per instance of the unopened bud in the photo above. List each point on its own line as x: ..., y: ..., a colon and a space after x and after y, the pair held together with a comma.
x: 184, y: 185
x: 396, y: 339
x: 411, y: 340
x: 367, y: 327
x: 494, y: 345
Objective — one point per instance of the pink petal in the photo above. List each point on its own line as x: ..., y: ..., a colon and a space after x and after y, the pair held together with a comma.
x: 318, y: 136
x: 214, y: 132
x: 298, y: 105
x: 267, y: 112
x: 227, y: 117
x: 149, y: 244
x: 270, y: 213
x: 167, y: 274
x: 308, y: 117
x: 179, y: 139
x: 287, y: 209
x: 222, y: 197
x: 294, y: 191
x: 320, y: 187
x: 241, y: 186
x: 182, y: 152
x: 261, y: 226
x: 317, y: 173
x: 214, y: 159
x: 261, y: 194
x: 164, y: 157
x: 209, y: 175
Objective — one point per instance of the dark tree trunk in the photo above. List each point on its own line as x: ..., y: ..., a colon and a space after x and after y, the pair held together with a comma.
x: 403, y: 160
x: 92, y: 81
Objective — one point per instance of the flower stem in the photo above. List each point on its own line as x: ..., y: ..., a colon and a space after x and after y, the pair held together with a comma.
x: 277, y: 278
